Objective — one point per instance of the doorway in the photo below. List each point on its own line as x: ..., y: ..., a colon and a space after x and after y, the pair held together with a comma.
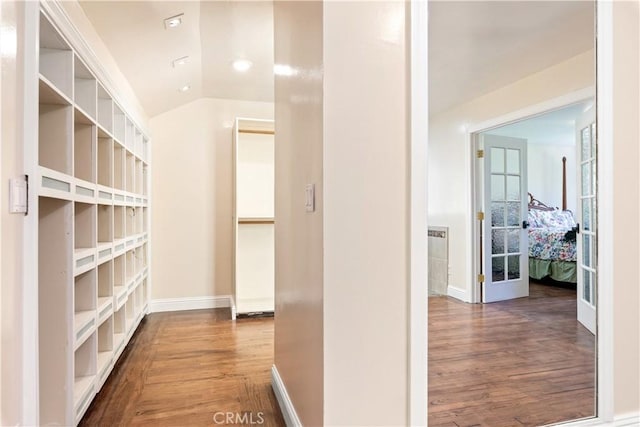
x: 453, y: 173
x: 538, y: 226
x: 524, y: 313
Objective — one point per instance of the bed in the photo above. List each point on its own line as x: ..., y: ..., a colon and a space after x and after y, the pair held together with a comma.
x: 552, y: 241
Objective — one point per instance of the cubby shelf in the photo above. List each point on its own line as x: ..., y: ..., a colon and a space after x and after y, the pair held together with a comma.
x: 91, y: 185
x: 105, y: 350
x: 85, y: 361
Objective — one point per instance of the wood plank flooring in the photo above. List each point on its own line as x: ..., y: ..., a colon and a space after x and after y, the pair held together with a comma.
x: 182, y: 368
x: 524, y: 362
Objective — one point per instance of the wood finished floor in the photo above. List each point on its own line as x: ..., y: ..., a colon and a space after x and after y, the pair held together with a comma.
x: 181, y: 368
x: 524, y: 362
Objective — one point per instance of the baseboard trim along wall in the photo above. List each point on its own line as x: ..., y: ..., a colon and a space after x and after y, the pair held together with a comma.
x: 457, y: 293
x: 286, y: 406
x: 627, y: 420
x: 191, y: 303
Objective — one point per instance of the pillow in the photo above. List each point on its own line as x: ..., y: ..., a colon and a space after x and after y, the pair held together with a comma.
x: 555, y: 219
x: 569, y: 220
x: 534, y: 219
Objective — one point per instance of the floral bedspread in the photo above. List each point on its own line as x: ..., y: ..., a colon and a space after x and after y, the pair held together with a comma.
x: 550, y: 244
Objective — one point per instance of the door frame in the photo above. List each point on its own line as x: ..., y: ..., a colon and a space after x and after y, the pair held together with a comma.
x: 476, y: 178
x: 417, y: 325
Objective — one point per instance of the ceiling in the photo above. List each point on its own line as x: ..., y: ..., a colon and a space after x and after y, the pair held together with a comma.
x: 213, y: 34
x: 475, y: 47
x: 556, y: 127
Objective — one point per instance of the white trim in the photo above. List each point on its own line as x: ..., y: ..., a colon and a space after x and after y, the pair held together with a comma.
x: 234, y: 310
x: 534, y: 110
x: 418, y: 286
x: 29, y: 135
x: 473, y: 131
x: 472, y: 237
x: 604, y: 114
x: 190, y: 303
x: 605, y: 389
x: 627, y: 420
x: 458, y: 293
x: 284, y: 401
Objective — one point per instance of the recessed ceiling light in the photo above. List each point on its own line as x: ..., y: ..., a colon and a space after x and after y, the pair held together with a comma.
x: 185, y: 88
x: 242, y: 65
x: 180, y: 61
x: 173, y: 22
x: 284, y: 70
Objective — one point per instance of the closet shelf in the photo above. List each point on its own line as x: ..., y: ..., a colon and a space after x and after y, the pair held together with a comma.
x: 104, y: 360
x: 105, y: 308
x: 119, y: 297
x: 82, y: 393
x: 84, y: 323
x: 85, y: 191
x: 91, y: 166
x: 84, y: 260
x: 105, y: 195
x: 118, y: 343
x: 81, y: 116
x: 50, y: 94
x: 105, y: 252
x: 56, y: 185
x: 257, y: 220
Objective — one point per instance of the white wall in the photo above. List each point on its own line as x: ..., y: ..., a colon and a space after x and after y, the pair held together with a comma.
x: 449, y: 150
x: 626, y: 197
x: 338, y: 268
x: 11, y: 280
x: 191, y: 193
x: 298, y: 341
x: 254, y: 176
x: 544, y: 166
x: 366, y: 213
x: 11, y: 231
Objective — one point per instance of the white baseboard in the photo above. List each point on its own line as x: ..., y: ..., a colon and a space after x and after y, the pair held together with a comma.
x: 286, y: 406
x: 458, y: 293
x: 191, y: 303
x: 627, y: 420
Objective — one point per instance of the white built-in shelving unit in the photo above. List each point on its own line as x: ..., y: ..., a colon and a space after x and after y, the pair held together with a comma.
x: 93, y: 210
x: 254, y: 222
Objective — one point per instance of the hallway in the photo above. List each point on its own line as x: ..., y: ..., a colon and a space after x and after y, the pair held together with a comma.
x: 191, y: 368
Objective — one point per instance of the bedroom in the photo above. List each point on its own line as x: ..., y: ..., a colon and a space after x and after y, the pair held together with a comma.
x: 552, y: 191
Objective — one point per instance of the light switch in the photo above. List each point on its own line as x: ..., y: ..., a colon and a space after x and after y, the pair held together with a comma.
x: 17, y: 195
x: 310, y: 198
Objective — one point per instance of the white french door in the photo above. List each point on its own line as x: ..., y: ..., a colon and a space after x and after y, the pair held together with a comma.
x: 505, y: 239
x: 586, y: 219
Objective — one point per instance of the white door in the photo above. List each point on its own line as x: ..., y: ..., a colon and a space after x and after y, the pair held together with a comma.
x: 505, y: 240
x: 586, y: 219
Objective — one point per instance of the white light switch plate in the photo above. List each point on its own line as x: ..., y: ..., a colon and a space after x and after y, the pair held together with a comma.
x: 310, y: 198
x: 17, y: 195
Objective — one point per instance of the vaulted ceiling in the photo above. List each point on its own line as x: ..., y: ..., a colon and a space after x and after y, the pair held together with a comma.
x: 474, y: 46
x: 213, y: 34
